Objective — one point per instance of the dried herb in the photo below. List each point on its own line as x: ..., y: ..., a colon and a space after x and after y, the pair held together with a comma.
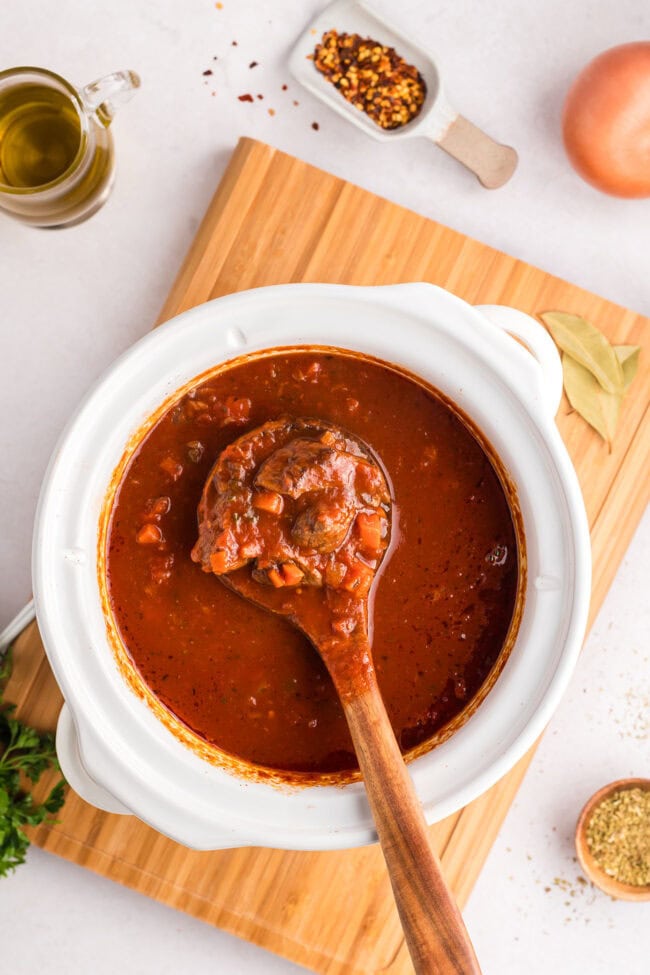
x: 24, y: 755
x: 584, y: 343
x: 618, y: 836
x: 600, y: 409
x: 596, y: 374
x: 628, y: 356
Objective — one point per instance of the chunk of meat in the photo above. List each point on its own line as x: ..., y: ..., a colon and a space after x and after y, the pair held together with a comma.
x: 324, y: 524
x: 283, y: 499
x: 306, y: 465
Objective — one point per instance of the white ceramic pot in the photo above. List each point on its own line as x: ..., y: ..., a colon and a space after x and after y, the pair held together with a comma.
x: 113, y: 749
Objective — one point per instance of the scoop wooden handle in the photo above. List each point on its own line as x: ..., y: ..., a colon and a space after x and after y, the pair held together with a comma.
x: 435, y: 933
x: 492, y: 163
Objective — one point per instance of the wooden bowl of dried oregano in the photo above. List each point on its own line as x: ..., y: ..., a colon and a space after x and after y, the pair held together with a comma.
x: 613, y: 839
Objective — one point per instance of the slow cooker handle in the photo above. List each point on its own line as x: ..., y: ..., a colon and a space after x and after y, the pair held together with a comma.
x: 67, y: 751
x: 537, y: 341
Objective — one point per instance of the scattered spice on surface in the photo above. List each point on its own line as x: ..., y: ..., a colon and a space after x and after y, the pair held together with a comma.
x: 253, y: 64
x: 271, y: 111
x: 618, y: 836
x: 284, y: 87
x: 208, y: 71
x: 315, y: 126
x: 219, y: 6
x: 295, y: 102
x: 245, y: 98
x: 234, y: 43
x: 260, y: 96
x: 372, y: 77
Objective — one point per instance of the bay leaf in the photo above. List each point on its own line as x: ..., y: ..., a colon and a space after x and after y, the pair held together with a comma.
x: 599, y: 408
x: 628, y: 356
x: 587, y: 346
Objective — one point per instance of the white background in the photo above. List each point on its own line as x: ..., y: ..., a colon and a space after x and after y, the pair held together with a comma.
x: 71, y: 301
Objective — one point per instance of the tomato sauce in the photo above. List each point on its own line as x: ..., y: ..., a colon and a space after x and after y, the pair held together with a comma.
x: 246, y: 680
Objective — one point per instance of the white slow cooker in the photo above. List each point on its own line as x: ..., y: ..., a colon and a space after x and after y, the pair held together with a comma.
x: 113, y: 749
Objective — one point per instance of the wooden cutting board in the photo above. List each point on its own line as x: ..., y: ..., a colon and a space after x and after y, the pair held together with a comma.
x: 275, y: 219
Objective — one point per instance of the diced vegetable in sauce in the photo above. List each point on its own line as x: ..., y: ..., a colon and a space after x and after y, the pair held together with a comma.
x: 246, y: 680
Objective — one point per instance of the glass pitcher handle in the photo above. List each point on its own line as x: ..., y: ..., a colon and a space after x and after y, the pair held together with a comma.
x: 103, y: 97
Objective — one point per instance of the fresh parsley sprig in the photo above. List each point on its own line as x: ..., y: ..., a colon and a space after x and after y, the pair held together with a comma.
x: 24, y: 755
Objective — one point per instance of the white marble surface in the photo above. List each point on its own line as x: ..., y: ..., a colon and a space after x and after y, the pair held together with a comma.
x: 71, y: 301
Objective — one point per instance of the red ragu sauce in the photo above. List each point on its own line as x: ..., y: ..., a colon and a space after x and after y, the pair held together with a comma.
x: 247, y: 681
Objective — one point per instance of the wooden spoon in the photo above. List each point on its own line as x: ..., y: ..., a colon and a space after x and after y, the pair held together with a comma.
x: 435, y: 933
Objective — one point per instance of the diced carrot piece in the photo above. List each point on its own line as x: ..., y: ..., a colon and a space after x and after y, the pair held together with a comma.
x: 171, y: 467
x: 370, y: 530
x: 358, y: 579
x: 219, y: 562
x: 237, y: 409
x: 269, y: 501
x: 291, y: 574
x: 275, y: 578
x: 157, y: 507
x: 149, y: 535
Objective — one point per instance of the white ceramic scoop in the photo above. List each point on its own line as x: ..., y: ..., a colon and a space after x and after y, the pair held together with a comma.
x: 491, y: 162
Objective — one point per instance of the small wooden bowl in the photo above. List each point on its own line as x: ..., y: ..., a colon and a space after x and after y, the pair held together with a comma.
x: 611, y: 886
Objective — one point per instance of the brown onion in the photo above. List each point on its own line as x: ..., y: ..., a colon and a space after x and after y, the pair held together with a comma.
x: 606, y: 122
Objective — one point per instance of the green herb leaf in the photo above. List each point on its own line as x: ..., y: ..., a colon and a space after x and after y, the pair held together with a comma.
x: 587, y: 397
x: 588, y: 347
x: 628, y: 356
x: 24, y: 752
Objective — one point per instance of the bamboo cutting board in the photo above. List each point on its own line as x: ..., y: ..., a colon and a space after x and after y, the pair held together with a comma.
x: 275, y: 219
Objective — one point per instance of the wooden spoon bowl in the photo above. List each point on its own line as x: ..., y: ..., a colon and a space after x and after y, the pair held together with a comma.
x: 609, y: 885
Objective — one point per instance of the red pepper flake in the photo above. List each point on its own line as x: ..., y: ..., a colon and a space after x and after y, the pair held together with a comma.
x: 296, y: 103
x: 219, y: 6
x: 271, y: 111
x: 234, y: 43
x: 372, y: 77
x: 284, y: 87
x: 253, y: 64
x: 208, y: 71
x: 245, y: 98
x: 260, y: 96
x: 315, y: 126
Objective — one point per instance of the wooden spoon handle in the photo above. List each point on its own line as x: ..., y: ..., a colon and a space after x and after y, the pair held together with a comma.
x: 492, y: 163
x: 434, y: 929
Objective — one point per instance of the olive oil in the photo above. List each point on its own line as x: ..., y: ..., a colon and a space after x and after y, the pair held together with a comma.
x: 40, y: 135
x: 56, y: 149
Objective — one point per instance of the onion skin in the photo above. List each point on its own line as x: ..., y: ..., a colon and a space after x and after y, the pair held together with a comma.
x: 606, y: 121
